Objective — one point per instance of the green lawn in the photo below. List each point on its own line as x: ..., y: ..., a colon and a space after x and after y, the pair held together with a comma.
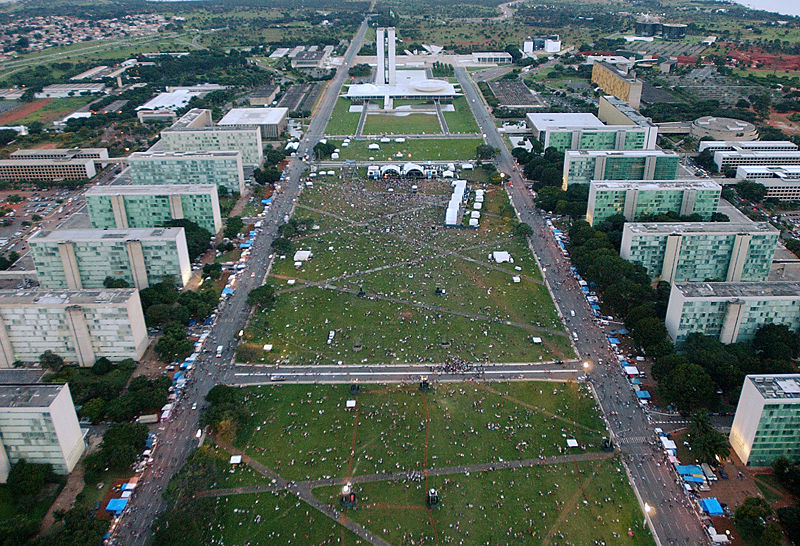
x: 393, y: 250
x: 342, y: 121
x: 413, y: 149
x: 462, y: 120
x: 55, y: 110
x: 304, y: 431
x: 411, y: 124
x: 584, y: 503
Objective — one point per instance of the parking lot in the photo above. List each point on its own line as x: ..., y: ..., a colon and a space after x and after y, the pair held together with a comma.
x: 514, y: 93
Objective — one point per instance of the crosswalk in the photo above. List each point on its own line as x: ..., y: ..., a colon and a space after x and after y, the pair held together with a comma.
x: 629, y: 440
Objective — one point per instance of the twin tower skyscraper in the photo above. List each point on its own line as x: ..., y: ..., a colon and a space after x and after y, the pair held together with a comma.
x: 386, y: 73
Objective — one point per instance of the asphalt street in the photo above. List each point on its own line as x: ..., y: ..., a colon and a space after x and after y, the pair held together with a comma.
x: 177, y: 436
x: 673, y: 519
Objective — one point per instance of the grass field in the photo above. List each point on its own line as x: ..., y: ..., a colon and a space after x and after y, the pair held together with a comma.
x: 304, y: 432
x: 582, y: 503
x: 416, y: 149
x: 54, y: 110
x: 378, y: 261
x: 342, y: 121
x: 411, y: 124
x: 462, y: 120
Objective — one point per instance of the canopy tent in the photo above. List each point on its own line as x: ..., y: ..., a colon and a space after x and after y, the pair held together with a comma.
x: 117, y: 505
x: 711, y: 506
x: 643, y: 395
x: 689, y: 469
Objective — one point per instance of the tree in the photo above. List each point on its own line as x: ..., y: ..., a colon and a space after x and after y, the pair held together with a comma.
x: 513, y: 50
x: 94, y: 409
x: 233, y: 227
x: 121, y: 444
x: 6, y: 136
x: 708, y: 444
x: 262, y: 297
x: 751, y: 516
x: 651, y: 334
x: 26, y: 480
x: 484, y: 151
x: 270, y: 175
x: 173, y: 344
x: 112, y: 282
x: 688, y: 387
x: 777, y: 341
x: 752, y: 191
x: 282, y: 246
x: 213, y: 270
x: 198, y: 239
x: 323, y: 150
x: 51, y: 361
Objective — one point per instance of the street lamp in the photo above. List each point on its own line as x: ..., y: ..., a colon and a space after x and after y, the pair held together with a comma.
x: 585, y: 364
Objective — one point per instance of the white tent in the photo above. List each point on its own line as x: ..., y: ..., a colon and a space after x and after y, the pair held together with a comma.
x: 473, y: 222
x: 632, y: 370
x: 501, y: 257
x: 477, y: 205
x: 475, y: 214
x: 374, y: 147
x: 302, y: 255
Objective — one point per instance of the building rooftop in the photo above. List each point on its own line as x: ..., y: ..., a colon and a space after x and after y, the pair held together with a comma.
x: 74, y: 86
x: 265, y: 90
x: 157, y: 154
x: 46, y: 161
x: 683, y: 184
x: 41, y: 297
x: 620, y: 153
x: 254, y: 116
x: 700, y: 227
x: 315, y: 55
x: 746, y: 144
x: 628, y: 111
x: 16, y: 376
x: 37, y: 395
x: 408, y: 83
x: 610, y: 67
x: 723, y: 124
x: 786, y: 172
x: 121, y: 235
x: 757, y: 153
x: 778, y: 386
x: 733, y: 290
x: 156, y: 189
x: 187, y: 119
x: 66, y: 152
x: 172, y: 101
x: 547, y: 121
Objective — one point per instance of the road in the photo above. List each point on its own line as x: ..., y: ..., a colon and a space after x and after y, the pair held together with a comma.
x: 177, y: 436
x: 672, y: 519
x: 382, y: 373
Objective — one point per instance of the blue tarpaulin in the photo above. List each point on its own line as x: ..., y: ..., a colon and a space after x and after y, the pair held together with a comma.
x: 227, y: 290
x: 686, y: 469
x: 613, y: 341
x: 117, y: 505
x: 693, y: 479
x: 642, y: 395
x: 711, y: 506
x: 636, y: 381
x: 245, y: 245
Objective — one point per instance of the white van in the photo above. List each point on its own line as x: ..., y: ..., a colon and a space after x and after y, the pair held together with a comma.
x: 219, y: 350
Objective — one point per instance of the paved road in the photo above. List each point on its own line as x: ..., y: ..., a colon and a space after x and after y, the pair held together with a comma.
x: 382, y: 373
x: 671, y: 518
x: 177, y: 438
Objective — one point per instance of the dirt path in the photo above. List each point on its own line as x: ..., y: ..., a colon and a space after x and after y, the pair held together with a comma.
x: 65, y: 499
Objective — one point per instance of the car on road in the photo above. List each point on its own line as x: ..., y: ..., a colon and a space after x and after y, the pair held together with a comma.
x: 277, y: 377
x: 194, y: 406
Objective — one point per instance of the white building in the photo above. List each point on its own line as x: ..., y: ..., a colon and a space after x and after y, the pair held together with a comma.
x: 756, y: 145
x: 271, y: 121
x: 64, y: 90
x: 725, y: 159
x: 78, y: 325
x: 38, y: 423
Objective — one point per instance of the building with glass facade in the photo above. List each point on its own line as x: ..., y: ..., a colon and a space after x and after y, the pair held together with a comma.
x: 579, y: 131
x: 701, y: 251
x: 82, y: 258
x: 123, y: 207
x: 196, y: 132
x: 637, y: 199
x: 583, y: 166
x: 767, y: 421
x: 221, y: 168
x: 78, y: 325
x: 38, y: 423
x: 731, y: 311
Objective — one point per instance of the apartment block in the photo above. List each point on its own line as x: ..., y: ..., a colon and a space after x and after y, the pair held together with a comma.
x: 271, y: 121
x: 699, y: 251
x: 38, y: 423
x: 731, y: 311
x: 123, y: 207
x: 221, y: 168
x: 46, y: 169
x: 583, y: 166
x: 580, y: 131
x: 78, y: 325
x: 614, y: 82
x: 767, y: 420
x: 75, y: 259
x: 195, y: 132
x: 637, y: 199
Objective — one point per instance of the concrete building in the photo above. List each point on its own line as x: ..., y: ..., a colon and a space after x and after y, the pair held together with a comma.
x: 767, y: 420
x: 731, y: 159
x: 38, y: 423
x: 580, y: 131
x: 64, y: 90
x: 308, y: 59
x: 221, y: 168
x: 123, y: 207
x: 614, y: 111
x: 264, y: 95
x: 637, y: 199
x: 583, y: 166
x: 271, y: 121
x: 731, y: 311
x: 616, y: 83
x: 46, y: 169
x: 782, y: 182
x: 699, y: 251
x: 75, y: 259
x: 723, y: 129
x: 98, y: 154
x: 492, y: 57
x: 78, y: 325
x: 194, y: 132
x: 756, y: 145
x: 155, y: 116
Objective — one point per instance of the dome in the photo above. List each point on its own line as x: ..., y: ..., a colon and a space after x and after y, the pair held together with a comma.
x: 429, y: 86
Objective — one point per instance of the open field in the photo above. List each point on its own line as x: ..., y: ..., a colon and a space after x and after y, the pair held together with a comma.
x: 396, y: 286
x: 411, y: 124
x: 46, y: 111
x: 570, y: 503
x: 342, y: 122
x: 462, y: 120
x: 416, y: 149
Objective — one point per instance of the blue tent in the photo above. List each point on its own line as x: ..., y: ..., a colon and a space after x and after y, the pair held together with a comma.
x: 636, y: 381
x: 642, y: 395
x: 693, y: 479
x: 711, y: 506
x: 689, y: 469
x: 227, y: 290
x: 245, y: 245
x: 613, y: 341
x: 117, y: 505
